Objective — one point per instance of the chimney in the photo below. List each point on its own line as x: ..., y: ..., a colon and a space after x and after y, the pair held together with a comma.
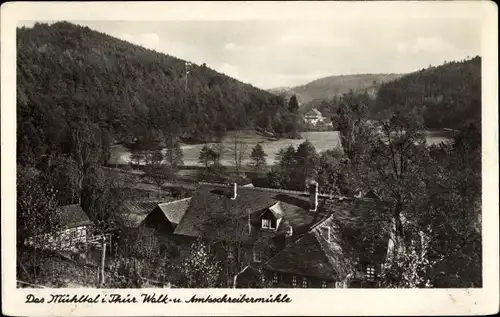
x: 313, y: 196
x: 233, y: 191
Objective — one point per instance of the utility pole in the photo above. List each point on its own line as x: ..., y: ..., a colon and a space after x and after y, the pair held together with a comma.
x: 103, y: 258
x: 187, y: 71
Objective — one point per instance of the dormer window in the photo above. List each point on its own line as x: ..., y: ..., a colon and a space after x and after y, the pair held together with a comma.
x: 325, y: 232
x: 268, y: 224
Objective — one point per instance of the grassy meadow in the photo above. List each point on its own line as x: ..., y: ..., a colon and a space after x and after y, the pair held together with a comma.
x: 321, y: 140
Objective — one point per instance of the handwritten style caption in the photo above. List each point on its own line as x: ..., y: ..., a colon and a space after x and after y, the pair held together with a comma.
x: 152, y: 298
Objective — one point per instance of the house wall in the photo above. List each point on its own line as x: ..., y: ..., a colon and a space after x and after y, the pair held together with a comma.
x: 286, y: 280
x: 157, y: 220
x: 63, y: 240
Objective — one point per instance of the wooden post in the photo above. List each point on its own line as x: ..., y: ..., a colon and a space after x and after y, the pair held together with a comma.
x: 103, y: 258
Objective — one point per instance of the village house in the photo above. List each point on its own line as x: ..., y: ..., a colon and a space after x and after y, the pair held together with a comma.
x: 322, y: 258
x: 249, y: 225
x: 160, y: 217
x: 314, y: 117
x: 276, y: 238
x: 71, y: 230
x: 290, y: 238
x: 166, y: 216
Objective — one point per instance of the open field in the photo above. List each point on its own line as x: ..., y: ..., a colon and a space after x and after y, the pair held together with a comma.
x: 321, y: 140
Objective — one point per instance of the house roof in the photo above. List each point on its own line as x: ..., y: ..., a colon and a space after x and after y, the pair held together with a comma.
x: 313, y: 113
x: 211, y: 208
x: 73, y: 216
x: 304, y: 257
x: 277, y: 210
x: 141, y: 207
x: 313, y: 255
x: 132, y: 213
x: 175, y: 210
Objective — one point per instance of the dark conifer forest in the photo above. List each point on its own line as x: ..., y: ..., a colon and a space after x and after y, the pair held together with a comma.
x: 448, y: 95
x: 69, y: 74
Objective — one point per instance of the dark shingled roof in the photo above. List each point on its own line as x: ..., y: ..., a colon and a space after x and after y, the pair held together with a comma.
x: 73, y: 216
x: 132, y: 213
x: 143, y: 207
x: 175, y: 210
x: 212, y: 201
x: 312, y: 254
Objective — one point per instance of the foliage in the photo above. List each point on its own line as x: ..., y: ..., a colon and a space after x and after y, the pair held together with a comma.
x: 330, y: 87
x: 208, y: 156
x: 293, y: 104
x: 333, y: 172
x: 454, y: 210
x: 258, y: 157
x: 238, y: 152
x: 36, y: 206
x: 448, y: 95
x: 125, y: 91
x: 199, y: 269
x: 295, y: 167
x: 395, y: 167
x: 410, y: 269
x: 355, y: 132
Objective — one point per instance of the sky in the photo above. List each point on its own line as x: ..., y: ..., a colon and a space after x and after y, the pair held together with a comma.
x: 284, y: 53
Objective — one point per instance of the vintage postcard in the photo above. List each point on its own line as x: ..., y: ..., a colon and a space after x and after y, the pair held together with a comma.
x: 249, y: 158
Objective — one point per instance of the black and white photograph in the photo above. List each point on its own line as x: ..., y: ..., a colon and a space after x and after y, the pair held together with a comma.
x: 298, y: 153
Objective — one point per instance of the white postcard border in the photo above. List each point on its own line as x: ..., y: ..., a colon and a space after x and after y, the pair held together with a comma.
x: 304, y: 302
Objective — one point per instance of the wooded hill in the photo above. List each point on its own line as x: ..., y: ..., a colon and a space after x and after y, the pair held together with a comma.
x: 448, y: 95
x: 328, y: 87
x: 68, y: 73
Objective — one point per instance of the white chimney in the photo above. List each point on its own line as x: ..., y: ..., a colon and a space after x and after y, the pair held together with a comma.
x: 233, y: 191
x: 313, y: 196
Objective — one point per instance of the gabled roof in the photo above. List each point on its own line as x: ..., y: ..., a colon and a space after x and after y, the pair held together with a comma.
x: 175, y: 210
x: 132, y: 213
x: 212, y: 202
x: 277, y: 210
x: 142, y: 207
x: 72, y: 216
x: 304, y: 257
x: 312, y: 254
x: 314, y: 113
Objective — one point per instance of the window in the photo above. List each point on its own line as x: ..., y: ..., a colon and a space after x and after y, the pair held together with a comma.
x: 275, y: 278
x: 370, y: 272
x: 323, y: 284
x: 294, y: 281
x: 304, y: 282
x: 266, y: 223
x: 257, y: 255
x: 325, y: 232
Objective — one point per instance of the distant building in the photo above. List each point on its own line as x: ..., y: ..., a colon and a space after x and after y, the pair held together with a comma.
x: 314, y: 117
x: 71, y: 230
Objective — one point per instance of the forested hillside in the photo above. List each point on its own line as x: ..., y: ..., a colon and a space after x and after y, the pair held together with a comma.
x: 70, y: 76
x: 335, y: 86
x: 448, y: 95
